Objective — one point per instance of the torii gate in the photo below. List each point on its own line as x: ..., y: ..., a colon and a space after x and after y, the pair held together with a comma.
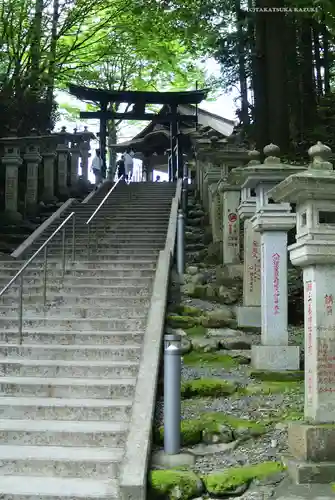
x: 140, y: 99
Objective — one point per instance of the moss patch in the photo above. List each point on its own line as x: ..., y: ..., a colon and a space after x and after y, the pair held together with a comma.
x: 212, y: 419
x: 222, y: 483
x: 270, y: 376
x: 210, y: 359
x: 191, y: 430
x: 176, y: 321
x: 210, y: 387
x: 272, y: 388
x: 184, y: 310
x: 196, y: 331
x: 164, y: 484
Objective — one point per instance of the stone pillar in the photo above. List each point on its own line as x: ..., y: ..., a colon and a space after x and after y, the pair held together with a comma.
x: 249, y: 314
x: 75, y: 155
x: 12, y: 161
x: 215, y: 213
x: 231, y: 224
x: 49, y: 176
x: 33, y: 159
x: 272, y: 221
x: 312, y: 443
x: 62, y: 163
x: 85, y: 153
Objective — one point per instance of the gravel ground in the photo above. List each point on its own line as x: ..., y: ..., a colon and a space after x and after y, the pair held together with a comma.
x: 258, y: 407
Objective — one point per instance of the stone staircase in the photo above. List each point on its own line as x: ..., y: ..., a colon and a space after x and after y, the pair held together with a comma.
x: 67, y: 386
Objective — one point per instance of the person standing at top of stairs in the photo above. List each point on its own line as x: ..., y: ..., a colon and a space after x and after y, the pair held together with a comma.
x: 129, y: 164
x: 97, y: 167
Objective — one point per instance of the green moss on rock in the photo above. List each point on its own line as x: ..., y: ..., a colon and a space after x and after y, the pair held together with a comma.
x: 176, y: 321
x: 190, y: 432
x: 210, y: 359
x: 270, y: 376
x: 210, y: 387
x: 222, y: 483
x: 255, y: 428
x: 185, y: 310
x: 196, y: 331
x: 174, y: 484
x: 272, y: 388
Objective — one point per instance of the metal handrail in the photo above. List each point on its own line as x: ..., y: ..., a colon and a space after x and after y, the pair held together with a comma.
x: 103, y: 201
x: 91, y: 218
x: 44, y: 247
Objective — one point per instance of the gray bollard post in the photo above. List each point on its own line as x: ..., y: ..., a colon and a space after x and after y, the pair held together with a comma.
x: 184, y: 200
x: 180, y: 243
x: 172, y: 397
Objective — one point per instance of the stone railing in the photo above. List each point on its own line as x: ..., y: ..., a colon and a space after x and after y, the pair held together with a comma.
x: 42, y: 168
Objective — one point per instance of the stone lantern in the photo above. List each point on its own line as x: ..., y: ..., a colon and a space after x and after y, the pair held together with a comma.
x: 249, y: 314
x: 312, y: 443
x: 272, y: 221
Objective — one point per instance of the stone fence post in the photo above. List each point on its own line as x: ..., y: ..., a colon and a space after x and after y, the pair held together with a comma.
x: 12, y: 161
x: 62, y: 162
x: 33, y: 160
x: 85, y: 146
x: 312, y: 443
x: 48, y: 152
x: 75, y: 155
x: 249, y: 314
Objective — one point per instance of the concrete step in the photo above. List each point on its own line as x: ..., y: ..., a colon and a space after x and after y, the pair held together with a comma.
x: 51, y: 488
x: 71, y: 299
x: 33, y: 408
x: 82, y: 291
x: 55, y: 368
x: 63, y: 433
x: 82, y: 273
x: 80, y: 280
x: 61, y: 337
x: 71, y: 352
x: 80, y: 265
x: 55, y: 461
x: 68, y: 387
x: 75, y: 311
x: 72, y: 323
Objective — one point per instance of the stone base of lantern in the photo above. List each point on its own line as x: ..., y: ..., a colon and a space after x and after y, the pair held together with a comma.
x: 275, y: 357
x: 249, y: 316
x: 312, y: 453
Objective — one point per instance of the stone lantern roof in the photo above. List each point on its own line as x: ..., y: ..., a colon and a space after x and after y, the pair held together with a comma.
x: 315, y: 183
x: 272, y: 170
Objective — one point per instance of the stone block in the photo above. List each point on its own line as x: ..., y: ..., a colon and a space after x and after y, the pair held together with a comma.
x: 309, y: 472
x: 275, y: 358
x: 249, y: 316
x: 315, y: 443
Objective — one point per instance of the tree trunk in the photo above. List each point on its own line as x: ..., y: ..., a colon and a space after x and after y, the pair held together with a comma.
x: 35, y: 47
x: 276, y: 78
x: 293, y: 81
x: 244, y: 116
x: 307, y: 75
x: 259, y: 81
x: 325, y: 38
x: 317, y: 58
x: 52, y: 55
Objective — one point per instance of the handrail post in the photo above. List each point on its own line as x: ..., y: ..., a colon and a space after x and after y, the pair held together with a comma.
x: 88, y: 241
x: 180, y: 244
x: 73, y: 237
x: 63, y: 251
x: 21, y: 308
x: 45, y: 272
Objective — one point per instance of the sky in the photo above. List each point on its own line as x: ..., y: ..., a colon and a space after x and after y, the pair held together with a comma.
x: 224, y: 106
